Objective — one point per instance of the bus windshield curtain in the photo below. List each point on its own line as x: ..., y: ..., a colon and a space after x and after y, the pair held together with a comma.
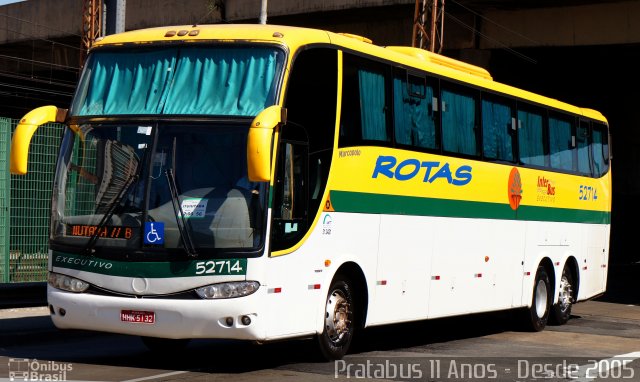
x: 213, y: 80
x: 496, y: 120
x: 560, y: 144
x: 458, y: 123
x: 236, y: 81
x: 531, y: 142
x: 124, y: 83
x: 372, y: 106
x: 413, y: 124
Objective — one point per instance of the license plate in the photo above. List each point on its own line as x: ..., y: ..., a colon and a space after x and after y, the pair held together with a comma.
x: 138, y: 317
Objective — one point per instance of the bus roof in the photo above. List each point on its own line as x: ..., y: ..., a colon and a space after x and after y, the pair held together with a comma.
x: 295, y: 37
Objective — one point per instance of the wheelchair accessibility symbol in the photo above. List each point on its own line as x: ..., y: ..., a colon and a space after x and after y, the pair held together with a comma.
x: 153, y: 233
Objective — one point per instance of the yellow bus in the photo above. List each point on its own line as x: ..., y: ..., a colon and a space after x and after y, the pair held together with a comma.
x: 267, y: 182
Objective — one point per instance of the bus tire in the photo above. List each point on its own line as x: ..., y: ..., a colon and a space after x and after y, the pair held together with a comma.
x: 339, y: 321
x: 538, y: 314
x: 164, y: 345
x: 561, y: 311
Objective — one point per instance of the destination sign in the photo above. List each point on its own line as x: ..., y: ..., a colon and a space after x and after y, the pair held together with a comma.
x: 106, y: 231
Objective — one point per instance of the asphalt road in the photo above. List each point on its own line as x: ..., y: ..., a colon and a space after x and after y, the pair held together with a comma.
x: 601, y: 336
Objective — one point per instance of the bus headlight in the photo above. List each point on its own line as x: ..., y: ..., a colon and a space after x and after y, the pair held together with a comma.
x: 68, y: 283
x: 228, y: 290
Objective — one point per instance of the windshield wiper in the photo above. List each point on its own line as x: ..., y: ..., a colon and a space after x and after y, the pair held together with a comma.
x: 180, y: 219
x: 107, y: 215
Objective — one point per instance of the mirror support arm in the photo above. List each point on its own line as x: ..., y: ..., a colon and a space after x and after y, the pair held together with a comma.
x: 24, y: 132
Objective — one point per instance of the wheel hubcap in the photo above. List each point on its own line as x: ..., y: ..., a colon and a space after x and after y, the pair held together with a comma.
x: 566, y: 295
x: 338, y: 316
x: 541, y: 299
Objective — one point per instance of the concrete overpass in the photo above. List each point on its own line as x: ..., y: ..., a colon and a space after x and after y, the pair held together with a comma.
x: 40, y: 39
x: 583, y: 52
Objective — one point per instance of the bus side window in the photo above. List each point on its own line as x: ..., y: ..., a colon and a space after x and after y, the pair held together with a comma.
x: 582, y: 143
x: 290, y: 195
x: 415, y: 119
x: 600, y: 150
x: 312, y: 103
x: 366, y: 102
x: 498, y: 130
x: 531, y: 137
x: 460, y: 127
x: 561, y: 143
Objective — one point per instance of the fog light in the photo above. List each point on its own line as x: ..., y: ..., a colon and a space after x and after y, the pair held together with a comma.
x: 229, y: 321
x: 246, y: 320
x: 62, y: 312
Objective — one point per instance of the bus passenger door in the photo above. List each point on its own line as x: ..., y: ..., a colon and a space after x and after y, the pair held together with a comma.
x: 287, y: 314
x: 304, y: 156
x: 290, y: 199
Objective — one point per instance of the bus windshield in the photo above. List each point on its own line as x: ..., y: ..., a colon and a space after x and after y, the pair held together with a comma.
x: 239, y: 80
x: 164, y: 187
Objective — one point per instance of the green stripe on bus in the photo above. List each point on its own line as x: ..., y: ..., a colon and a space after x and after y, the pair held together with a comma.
x: 270, y: 202
x: 165, y: 269
x: 360, y: 202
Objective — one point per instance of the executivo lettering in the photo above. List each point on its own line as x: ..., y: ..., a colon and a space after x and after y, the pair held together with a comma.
x: 61, y: 260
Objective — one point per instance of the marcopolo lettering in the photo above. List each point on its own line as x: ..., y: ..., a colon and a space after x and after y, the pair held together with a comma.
x: 429, y: 171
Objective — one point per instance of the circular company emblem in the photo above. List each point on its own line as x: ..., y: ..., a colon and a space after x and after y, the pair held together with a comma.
x: 139, y: 285
x: 514, y: 189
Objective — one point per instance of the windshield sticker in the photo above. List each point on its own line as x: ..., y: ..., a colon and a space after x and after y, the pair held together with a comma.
x: 195, y: 208
x: 146, y: 130
x: 107, y: 231
x: 154, y: 233
x: 290, y: 227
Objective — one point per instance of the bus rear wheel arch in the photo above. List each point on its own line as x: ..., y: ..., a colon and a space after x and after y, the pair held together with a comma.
x: 536, y: 316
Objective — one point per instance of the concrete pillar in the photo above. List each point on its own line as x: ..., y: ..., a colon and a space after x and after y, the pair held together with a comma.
x: 116, y: 12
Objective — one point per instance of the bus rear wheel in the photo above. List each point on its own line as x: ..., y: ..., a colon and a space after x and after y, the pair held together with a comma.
x: 339, y: 321
x: 538, y: 314
x: 561, y: 311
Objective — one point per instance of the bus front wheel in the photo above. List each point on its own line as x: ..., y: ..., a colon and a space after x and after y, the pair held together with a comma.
x: 339, y: 320
x: 538, y: 313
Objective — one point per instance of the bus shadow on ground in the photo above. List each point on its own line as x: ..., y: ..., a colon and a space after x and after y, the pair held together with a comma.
x: 224, y: 356
x: 229, y: 356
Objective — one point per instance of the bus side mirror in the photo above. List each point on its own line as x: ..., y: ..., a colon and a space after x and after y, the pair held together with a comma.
x: 24, y: 132
x: 259, y: 142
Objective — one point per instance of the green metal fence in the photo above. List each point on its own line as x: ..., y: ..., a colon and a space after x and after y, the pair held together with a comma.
x: 25, y: 205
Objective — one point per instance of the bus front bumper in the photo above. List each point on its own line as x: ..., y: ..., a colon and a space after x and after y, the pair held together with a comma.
x: 172, y: 318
